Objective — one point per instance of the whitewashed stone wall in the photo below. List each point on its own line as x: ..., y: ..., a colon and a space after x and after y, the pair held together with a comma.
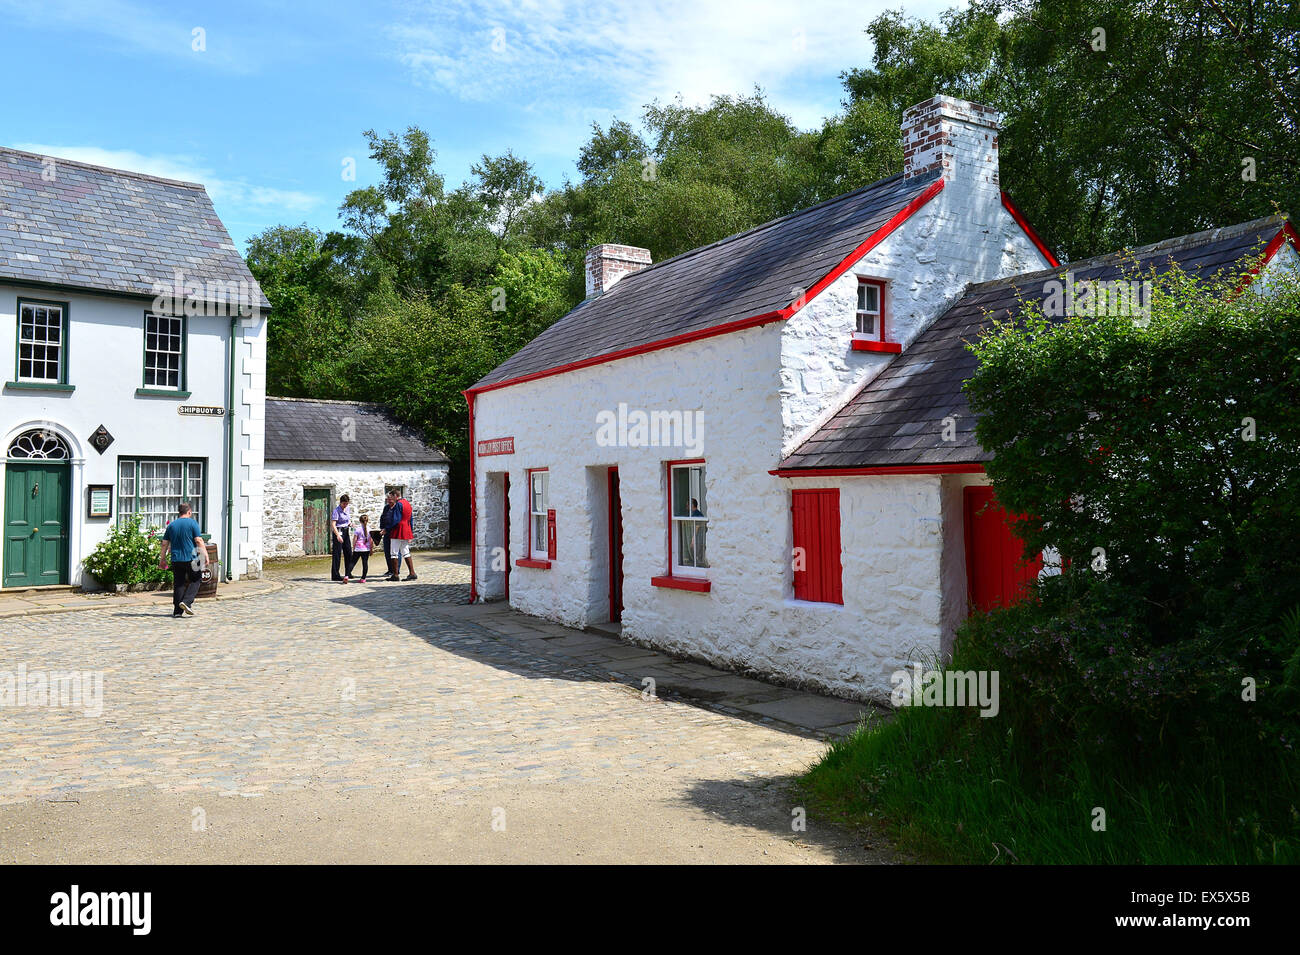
x: 893, y: 529
x: 925, y: 264
x: 426, y: 489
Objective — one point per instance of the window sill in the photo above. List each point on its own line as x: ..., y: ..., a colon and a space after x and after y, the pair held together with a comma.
x: 868, y: 344
x: 39, y: 386
x: 160, y: 393
x: 800, y: 603
x: 698, y: 584
x: 534, y: 563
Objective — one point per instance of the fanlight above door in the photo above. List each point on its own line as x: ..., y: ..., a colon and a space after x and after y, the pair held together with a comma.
x: 40, y: 445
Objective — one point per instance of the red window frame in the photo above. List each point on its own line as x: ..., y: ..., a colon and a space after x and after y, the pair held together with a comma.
x: 529, y: 560
x: 815, y: 524
x: 861, y: 340
x: 671, y: 580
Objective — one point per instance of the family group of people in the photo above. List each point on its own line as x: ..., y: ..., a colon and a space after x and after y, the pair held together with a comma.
x: 352, y: 544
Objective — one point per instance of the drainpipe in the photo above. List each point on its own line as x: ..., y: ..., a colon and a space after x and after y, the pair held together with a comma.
x: 230, y: 456
x: 473, y: 506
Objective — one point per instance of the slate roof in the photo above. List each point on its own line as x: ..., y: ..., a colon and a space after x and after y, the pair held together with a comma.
x: 897, y: 419
x: 749, y: 274
x: 110, y: 230
x: 302, y: 429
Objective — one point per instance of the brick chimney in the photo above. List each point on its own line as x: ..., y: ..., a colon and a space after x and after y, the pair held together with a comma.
x: 606, y: 264
x: 954, y: 135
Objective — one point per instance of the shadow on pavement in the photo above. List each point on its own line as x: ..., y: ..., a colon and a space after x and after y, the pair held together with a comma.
x: 493, y: 634
x: 771, y: 805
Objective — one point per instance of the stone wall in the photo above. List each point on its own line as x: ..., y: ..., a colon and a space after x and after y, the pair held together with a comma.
x: 426, y: 489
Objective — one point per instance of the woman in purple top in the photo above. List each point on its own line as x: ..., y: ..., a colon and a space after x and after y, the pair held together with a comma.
x: 341, y: 528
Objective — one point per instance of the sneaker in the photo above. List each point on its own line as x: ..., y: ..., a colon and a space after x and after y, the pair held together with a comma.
x: 411, y: 577
x: 346, y: 580
x: 362, y: 580
x: 189, y: 610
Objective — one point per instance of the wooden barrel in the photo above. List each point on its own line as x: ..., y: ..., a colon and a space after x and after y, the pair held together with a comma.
x: 208, y: 588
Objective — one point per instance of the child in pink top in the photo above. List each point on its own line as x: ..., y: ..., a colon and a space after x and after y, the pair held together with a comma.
x: 361, y: 547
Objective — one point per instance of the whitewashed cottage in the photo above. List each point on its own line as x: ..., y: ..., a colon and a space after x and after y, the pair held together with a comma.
x: 135, y: 342
x: 758, y: 453
x: 316, y: 451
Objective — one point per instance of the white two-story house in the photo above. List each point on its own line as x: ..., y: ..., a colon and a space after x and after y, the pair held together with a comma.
x: 133, y: 344
x: 758, y: 453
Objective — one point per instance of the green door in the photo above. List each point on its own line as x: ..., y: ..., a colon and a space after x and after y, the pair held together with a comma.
x: 36, y: 524
x: 315, y: 520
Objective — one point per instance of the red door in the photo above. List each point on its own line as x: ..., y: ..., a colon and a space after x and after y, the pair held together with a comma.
x: 615, y: 548
x: 996, y: 573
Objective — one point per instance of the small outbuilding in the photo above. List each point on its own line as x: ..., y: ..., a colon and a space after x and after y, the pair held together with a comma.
x: 317, y: 451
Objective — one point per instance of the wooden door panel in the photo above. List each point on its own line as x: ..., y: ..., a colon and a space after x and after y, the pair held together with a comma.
x: 996, y: 572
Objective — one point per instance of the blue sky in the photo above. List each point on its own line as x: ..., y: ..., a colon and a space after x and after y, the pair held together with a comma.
x: 266, y: 113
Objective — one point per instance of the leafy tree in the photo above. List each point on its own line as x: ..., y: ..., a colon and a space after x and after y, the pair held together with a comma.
x: 696, y: 175
x: 308, y: 330
x: 1124, y: 123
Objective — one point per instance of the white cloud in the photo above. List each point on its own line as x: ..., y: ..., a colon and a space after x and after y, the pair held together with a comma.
x: 236, y: 194
x: 621, y: 54
x: 134, y: 29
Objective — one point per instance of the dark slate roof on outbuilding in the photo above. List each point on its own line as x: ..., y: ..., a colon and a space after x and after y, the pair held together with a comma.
x: 897, y: 419
x: 303, y: 429
x: 72, y: 224
x: 746, y: 275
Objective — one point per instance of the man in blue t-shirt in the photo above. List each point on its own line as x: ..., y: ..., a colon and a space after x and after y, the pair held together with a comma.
x: 182, y: 541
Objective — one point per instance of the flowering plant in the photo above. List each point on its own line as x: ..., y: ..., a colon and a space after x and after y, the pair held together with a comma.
x: 129, y: 555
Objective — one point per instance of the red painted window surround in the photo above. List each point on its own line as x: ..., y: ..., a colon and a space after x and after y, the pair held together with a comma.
x: 867, y: 344
x: 877, y: 344
x: 1029, y: 230
x: 815, y: 518
x: 697, y: 584
x: 530, y: 560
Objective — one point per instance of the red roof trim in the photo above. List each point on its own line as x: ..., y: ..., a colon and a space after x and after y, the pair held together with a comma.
x: 1029, y: 230
x: 741, y: 324
x: 902, y: 469
x: 899, y: 217
x: 1287, y: 232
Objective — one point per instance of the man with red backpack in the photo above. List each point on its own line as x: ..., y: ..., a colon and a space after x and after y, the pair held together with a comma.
x: 400, y: 535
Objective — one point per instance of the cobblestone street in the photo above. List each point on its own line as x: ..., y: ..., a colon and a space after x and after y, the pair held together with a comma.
x: 385, y: 690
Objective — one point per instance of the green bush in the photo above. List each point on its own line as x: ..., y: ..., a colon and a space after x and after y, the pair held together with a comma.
x: 128, y: 555
x: 1158, y: 675
x: 1163, y: 456
x: 1162, y: 461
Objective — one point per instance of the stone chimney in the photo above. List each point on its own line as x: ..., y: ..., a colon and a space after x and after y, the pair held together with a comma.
x: 606, y: 264
x: 956, y: 136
